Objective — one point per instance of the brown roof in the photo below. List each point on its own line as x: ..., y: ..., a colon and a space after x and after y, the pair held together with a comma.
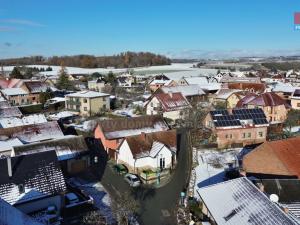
x: 256, y: 87
x: 245, y: 100
x: 172, y: 101
x: 275, y: 158
x: 267, y: 99
x: 130, y: 123
x: 142, y: 144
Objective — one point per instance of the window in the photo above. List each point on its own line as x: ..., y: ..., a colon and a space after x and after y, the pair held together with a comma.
x: 85, y: 108
x: 84, y: 100
x: 22, y: 100
x: 33, y: 98
x: 244, y: 135
x: 260, y: 134
x: 249, y: 135
x: 298, y: 104
x: 104, y: 107
x: 230, y: 136
x: 77, y: 107
x: 226, y: 136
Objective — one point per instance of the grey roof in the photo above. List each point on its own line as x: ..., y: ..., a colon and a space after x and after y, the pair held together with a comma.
x: 65, y: 148
x: 185, y: 90
x: 40, y: 175
x: 9, y: 215
x: 14, y: 91
x: 87, y: 94
x: 239, y: 201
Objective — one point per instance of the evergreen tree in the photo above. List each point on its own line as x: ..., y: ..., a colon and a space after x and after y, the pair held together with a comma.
x: 63, y: 82
x: 15, y: 73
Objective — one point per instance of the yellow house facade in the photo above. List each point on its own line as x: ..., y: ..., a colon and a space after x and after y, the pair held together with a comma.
x: 87, y: 103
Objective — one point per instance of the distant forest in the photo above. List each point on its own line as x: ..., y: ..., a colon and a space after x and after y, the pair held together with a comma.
x: 282, y: 65
x: 122, y: 60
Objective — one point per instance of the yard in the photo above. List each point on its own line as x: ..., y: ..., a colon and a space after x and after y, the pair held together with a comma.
x: 211, y: 166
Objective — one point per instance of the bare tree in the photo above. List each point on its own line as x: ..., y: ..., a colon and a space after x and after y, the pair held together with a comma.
x: 94, y: 218
x: 124, y: 208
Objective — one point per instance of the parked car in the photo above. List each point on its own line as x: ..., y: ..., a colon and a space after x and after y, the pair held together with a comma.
x: 133, y: 180
x: 71, y: 198
x: 120, y: 169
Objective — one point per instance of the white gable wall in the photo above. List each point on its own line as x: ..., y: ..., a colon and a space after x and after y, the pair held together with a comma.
x: 126, y: 156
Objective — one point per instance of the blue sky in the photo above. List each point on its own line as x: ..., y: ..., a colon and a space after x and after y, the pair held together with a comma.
x: 190, y: 28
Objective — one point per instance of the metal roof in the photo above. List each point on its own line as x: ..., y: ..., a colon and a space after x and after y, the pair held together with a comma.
x: 239, y: 201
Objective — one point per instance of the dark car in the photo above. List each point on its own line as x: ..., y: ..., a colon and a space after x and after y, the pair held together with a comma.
x: 120, y: 169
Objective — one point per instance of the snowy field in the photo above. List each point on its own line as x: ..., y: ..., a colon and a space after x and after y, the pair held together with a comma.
x: 211, y: 165
x: 176, y: 70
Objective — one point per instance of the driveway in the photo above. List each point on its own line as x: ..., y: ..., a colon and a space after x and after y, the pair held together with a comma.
x: 158, y: 206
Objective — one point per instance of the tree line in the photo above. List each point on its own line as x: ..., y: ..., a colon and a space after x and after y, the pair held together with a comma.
x: 122, y: 60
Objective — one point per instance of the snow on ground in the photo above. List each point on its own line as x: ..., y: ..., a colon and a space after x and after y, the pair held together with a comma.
x: 150, y: 70
x: 101, y: 197
x: 211, y: 165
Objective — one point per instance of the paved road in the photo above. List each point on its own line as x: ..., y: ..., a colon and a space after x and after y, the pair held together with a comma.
x: 158, y: 206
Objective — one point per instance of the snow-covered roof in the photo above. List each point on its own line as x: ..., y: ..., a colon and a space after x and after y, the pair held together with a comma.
x: 8, y: 144
x: 25, y: 120
x: 87, y: 94
x: 39, y: 174
x: 282, y: 87
x: 33, y: 133
x: 196, y: 80
x: 239, y: 201
x: 162, y: 82
x: 172, y: 101
x: 7, y: 112
x: 226, y: 93
x: 61, y: 115
x: 185, y: 90
x: 13, y: 91
x: 124, y: 127
x: 66, y: 148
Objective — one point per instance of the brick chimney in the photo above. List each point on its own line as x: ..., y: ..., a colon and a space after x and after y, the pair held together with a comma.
x: 143, y: 134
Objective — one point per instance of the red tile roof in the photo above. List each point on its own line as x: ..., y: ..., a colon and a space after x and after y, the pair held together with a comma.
x: 255, y: 87
x: 244, y: 101
x: 172, y: 101
x: 143, y: 143
x: 10, y: 83
x: 267, y: 99
x: 275, y: 158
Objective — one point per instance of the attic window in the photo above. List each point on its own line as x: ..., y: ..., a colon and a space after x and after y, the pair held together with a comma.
x: 21, y: 188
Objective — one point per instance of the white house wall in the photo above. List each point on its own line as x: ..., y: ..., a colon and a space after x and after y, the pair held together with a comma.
x: 125, y: 155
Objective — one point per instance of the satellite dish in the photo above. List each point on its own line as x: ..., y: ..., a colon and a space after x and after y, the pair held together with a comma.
x: 274, y: 198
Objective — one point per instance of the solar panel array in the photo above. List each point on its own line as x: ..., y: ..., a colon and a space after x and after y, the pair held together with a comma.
x: 223, y: 119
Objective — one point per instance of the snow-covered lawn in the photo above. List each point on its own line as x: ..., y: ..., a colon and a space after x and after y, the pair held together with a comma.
x: 211, y: 165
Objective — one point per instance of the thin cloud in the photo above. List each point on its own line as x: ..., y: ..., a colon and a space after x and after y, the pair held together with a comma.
x: 7, y: 29
x: 22, y: 22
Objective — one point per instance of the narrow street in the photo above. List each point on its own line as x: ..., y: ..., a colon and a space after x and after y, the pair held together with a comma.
x: 158, y: 206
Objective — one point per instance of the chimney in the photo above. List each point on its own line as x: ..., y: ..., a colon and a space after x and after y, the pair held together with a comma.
x: 143, y: 134
x: 170, y: 94
x: 9, y: 168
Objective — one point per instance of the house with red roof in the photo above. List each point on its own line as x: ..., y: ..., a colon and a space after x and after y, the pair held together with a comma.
x: 155, y: 151
x: 170, y: 105
x: 273, y: 105
x: 274, y: 160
